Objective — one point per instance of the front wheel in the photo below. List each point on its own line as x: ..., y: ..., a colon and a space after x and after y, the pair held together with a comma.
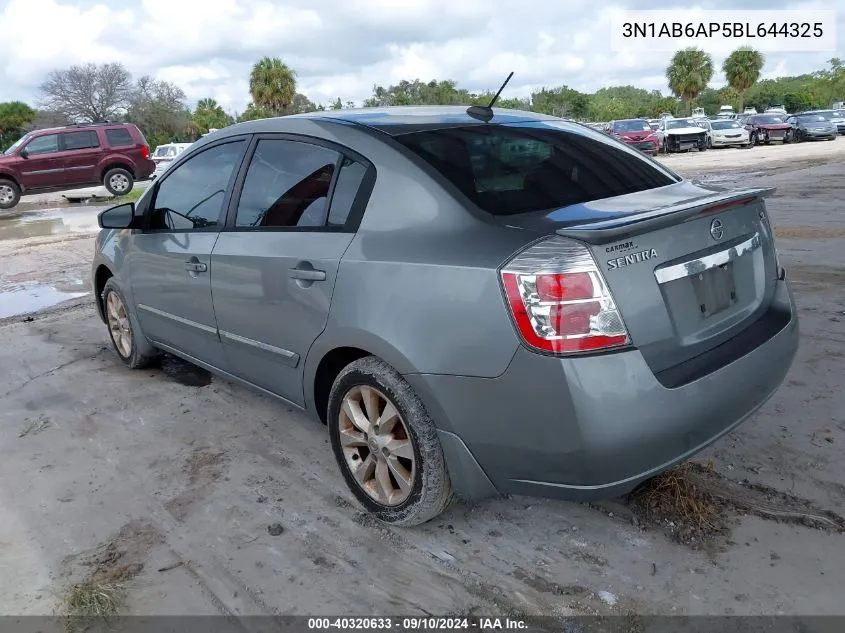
x: 118, y: 181
x: 125, y: 335
x: 387, y: 445
x: 755, y: 140
x: 10, y: 193
x: 798, y: 136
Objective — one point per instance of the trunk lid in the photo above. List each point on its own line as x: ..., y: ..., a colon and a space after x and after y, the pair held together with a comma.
x: 689, y: 267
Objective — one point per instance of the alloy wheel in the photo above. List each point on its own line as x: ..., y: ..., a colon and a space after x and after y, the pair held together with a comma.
x: 119, y: 182
x: 119, y: 326
x: 377, y: 445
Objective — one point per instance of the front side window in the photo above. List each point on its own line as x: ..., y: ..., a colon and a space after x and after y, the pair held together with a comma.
x: 192, y: 194
x: 287, y: 185
x: 79, y: 140
x: 46, y: 144
x: 507, y: 170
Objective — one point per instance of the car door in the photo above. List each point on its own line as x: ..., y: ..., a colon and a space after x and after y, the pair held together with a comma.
x: 170, y: 259
x: 43, y: 165
x: 80, y: 151
x: 274, y: 265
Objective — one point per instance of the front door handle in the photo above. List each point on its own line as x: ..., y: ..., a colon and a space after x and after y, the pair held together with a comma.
x: 307, y: 274
x: 196, y: 267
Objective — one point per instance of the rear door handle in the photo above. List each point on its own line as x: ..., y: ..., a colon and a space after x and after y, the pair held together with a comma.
x: 196, y: 267
x: 307, y: 274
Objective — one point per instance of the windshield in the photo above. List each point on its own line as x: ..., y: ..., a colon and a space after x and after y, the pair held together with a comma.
x: 812, y: 118
x: 674, y: 124
x: 839, y: 113
x: 16, y: 144
x: 634, y: 125
x: 506, y: 170
x: 726, y: 125
x: 768, y: 120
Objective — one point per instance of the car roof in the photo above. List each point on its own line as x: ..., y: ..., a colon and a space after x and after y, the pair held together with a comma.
x: 393, y: 119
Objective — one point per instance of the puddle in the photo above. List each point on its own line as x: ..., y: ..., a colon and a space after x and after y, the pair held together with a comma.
x: 22, y: 299
x: 184, y: 372
x: 46, y: 222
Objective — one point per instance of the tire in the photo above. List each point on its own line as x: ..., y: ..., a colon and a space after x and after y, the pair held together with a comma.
x: 787, y: 137
x: 140, y: 354
x: 709, y: 143
x: 10, y: 193
x: 429, y: 489
x: 118, y: 181
x: 755, y: 140
x: 798, y: 136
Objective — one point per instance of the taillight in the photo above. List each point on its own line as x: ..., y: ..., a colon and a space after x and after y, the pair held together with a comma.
x: 560, y: 301
x: 145, y: 151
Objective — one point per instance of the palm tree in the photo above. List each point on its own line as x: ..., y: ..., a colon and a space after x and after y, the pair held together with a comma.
x: 688, y: 74
x: 272, y: 85
x: 742, y: 70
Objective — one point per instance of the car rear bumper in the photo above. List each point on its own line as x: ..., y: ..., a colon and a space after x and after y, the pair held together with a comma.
x: 146, y: 168
x: 597, y: 426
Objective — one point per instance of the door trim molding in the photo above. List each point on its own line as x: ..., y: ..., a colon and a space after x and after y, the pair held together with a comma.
x: 178, y: 319
x: 287, y: 356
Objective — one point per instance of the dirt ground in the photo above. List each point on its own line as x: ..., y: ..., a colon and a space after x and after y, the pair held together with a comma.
x: 197, y: 496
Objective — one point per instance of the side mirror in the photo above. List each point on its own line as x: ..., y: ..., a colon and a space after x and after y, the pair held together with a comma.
x: 24, y: 153
x: 119, y: 217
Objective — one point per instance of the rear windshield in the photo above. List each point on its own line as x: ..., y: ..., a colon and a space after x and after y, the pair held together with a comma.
x: 509, y: 170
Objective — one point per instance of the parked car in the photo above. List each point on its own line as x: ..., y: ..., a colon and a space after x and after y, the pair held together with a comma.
x: 726, y: 109
x: 654, y: 123
x: 775, y: 109
x: 112, y: 154
x: 515, y: 329
x: 808, y: 127
x: 699, y: 113
x: 837, y: 117
x: 765, y: 128
x: 164, y: 155
x: 637, y: 133
x: 677, y: 135
x: 730, y: 134
x: 705, y: 125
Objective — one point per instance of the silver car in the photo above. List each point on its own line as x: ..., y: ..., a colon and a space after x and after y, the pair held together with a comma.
x: 521, y: 305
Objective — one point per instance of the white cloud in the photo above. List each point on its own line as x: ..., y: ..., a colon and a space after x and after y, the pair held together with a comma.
x: 340, y: 48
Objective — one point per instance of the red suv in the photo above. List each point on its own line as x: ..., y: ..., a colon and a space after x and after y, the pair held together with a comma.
x: 112, y: 154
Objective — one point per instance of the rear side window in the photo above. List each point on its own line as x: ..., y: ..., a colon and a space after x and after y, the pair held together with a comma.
x: 348, y: 184
x: 287, y: 185
x: 119, y: 136
x: 510, y: 170
x: 80, y: 140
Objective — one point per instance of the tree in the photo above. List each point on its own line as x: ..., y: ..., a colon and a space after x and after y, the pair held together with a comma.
x: 688, y: 74
x: 562, y: 102
x: 158, y: 108
x: 209, y: 114
x: 15, y: 118
x: 88, y: 92
x: 742, y: 69
x: 272, y: 85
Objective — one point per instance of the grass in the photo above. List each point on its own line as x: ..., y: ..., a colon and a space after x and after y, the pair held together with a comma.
x: 132, y: 196
x: 90, y: 601
x: 676, y: 497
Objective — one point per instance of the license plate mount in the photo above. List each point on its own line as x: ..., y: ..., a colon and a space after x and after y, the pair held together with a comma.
x: 715, y: 289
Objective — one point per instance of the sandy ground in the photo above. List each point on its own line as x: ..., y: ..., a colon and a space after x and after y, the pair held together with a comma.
x: 168, y: 480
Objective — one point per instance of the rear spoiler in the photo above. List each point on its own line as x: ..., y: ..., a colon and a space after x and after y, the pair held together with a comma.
x: 604, y: 231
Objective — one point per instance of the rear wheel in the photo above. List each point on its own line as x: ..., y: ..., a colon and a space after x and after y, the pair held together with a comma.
x: 387, y: 445
x: 118, y: 181
x: 10, y: 193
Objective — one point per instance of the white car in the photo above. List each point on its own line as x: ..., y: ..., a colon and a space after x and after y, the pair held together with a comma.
x: 726, y: 109
x: 705, y: 125
x: 677, y: 135
x: 729, y: 134
x: 165, y: 154
x: 750, y: 111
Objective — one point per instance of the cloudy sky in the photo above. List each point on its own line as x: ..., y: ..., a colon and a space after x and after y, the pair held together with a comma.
x: 342, y: 47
